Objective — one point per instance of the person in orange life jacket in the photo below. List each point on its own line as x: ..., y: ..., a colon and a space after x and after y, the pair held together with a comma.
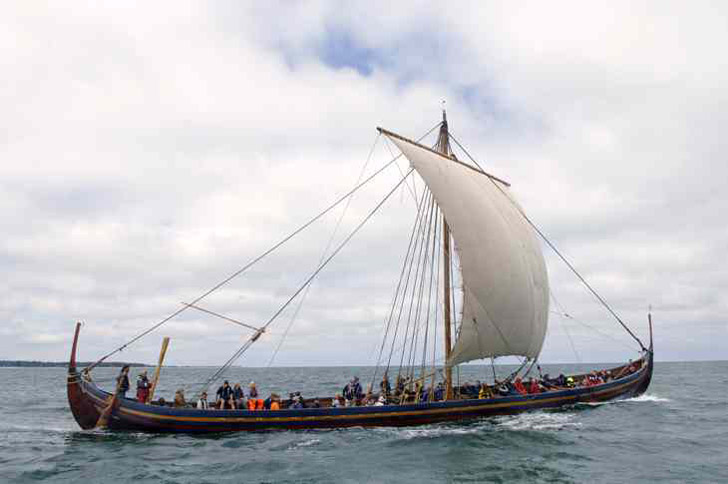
x: 518, y: 385
x: 224, y: 396
x: 254, y: 403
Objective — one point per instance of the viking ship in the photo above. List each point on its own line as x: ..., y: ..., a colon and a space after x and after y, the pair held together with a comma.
x: 502, y: 302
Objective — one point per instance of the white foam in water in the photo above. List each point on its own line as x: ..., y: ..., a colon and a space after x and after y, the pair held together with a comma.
x: 647, y: 398
x: 306, y: 443
x: 538, y: 421
x: 641, y: 398
x: 434, y: 431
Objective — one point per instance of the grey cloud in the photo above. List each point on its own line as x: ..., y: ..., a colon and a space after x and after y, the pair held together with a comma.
x: 144, y: 158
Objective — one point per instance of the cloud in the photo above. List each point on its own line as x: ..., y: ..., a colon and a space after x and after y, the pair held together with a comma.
x: 148, y: 152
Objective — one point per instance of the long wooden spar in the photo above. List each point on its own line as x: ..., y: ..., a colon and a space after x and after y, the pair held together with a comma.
x: 155, y: 379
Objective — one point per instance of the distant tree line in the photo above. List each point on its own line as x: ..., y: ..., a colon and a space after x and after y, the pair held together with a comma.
x: 80, y: 364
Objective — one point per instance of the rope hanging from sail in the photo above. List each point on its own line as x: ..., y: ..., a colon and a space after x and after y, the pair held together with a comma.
x: 435, y: 260
x: 415, y: 301
x: 417, y: 307
x: 410, y: 265
x: 399, y: 283
x: 422, y: 321
x: 421, y: 255
x: 558, y: 253
x: 361, y: 224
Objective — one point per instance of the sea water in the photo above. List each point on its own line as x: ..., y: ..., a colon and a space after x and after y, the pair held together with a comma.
x: 677, y: 431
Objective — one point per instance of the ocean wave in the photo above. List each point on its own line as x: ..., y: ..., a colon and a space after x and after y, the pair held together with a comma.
x: 437, y: 431
x: 532, y: 421
x: 36, y: 429
x: 305, y: 443
x: 639, y: 399
x: 539, y: 421
x: 647, y: 398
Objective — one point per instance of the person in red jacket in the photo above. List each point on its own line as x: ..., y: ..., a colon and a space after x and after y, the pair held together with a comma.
x: 533, y: 386
x: 143, y: 385
x: 518, y: 385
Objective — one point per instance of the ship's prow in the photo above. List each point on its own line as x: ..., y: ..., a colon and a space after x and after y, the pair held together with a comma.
x: 83, y: 410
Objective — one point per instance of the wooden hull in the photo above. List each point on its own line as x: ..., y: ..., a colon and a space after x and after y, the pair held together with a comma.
x: 87, y: 401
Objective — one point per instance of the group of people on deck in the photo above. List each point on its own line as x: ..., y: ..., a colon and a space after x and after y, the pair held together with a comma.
x: 234, y: 398
x: 406, y: 390
x: 143, y: 385
x: 544, y: 384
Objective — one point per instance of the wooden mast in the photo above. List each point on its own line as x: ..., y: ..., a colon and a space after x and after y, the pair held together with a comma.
x: 443, y: 146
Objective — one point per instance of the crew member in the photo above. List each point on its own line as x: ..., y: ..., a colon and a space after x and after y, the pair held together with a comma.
x: 224, y: 396
x: 142, y: 387
x: 202, y: 402
x: 122, y: 381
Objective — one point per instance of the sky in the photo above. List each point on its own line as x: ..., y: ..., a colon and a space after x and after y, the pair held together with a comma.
x: 147, y: 151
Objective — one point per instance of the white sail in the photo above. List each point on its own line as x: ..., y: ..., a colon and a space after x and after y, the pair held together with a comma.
x: 505, y: 294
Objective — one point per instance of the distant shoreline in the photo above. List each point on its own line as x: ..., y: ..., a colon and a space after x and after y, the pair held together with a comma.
x: 63, y: 364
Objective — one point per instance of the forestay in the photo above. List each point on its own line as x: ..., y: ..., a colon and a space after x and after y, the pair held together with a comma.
x: 505, y: 294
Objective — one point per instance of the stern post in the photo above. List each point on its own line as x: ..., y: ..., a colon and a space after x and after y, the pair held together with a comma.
x: 649, y: 321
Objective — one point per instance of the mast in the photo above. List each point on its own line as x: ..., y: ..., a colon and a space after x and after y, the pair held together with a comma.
x: 443, y: 146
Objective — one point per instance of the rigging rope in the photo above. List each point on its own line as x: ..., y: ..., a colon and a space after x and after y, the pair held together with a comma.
x: 406, y: 287
x: 249, y: 264
x: 420, y: 259
x: 399, y: 283
x: 248, y: 343
x: 325, y: 251
x: 429, y: 294
x: 418, y: 311
x: 558, y: 253
x: 437, y: 314
x: 257, y: 259
x: 562, y: 312
x: 571, y: 341
x: 413, y: 189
